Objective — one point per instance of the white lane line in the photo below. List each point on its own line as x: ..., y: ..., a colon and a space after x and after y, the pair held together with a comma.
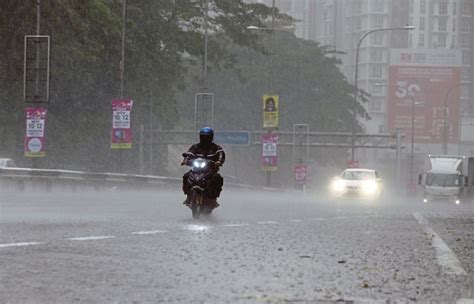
x: 197, y: 228
x: 296, y: 221
x: 91, y: 238
x: 445, y: 256
x: 148, y: 232
x: 236, y: 225
x: 465, y: 301
x: 23, y: 244
x: 317, y: 219
x: 267, y: 223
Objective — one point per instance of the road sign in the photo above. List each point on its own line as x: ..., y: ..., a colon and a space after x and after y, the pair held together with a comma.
x: 236, y: 138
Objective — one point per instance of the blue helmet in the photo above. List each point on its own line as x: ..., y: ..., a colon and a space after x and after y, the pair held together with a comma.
x: 206, y: 135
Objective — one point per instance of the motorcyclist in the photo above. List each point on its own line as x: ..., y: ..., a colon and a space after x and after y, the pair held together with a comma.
x: 209, y: 150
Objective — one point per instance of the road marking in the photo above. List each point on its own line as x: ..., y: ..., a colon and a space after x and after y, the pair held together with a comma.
x: 91, y: 238
x: 197, y: 228
x: 445, y: 256
x: 236, y: 225
x: 148, y: 232
x: 296, y: 221
x: 465, y: 301
x: 267, y: 223
x: 318, y: 219
x: 23, y: 244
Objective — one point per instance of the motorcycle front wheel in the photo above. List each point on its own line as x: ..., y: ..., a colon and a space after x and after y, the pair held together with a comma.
x: 196, y: 209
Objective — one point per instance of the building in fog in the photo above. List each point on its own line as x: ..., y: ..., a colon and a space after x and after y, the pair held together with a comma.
x: 439, y: 24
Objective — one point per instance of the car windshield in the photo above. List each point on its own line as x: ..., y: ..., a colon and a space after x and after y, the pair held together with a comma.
x: 443, y: 180
x: 357, y: 175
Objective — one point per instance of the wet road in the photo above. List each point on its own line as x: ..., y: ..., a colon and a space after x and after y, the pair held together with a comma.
x: 125, y: 247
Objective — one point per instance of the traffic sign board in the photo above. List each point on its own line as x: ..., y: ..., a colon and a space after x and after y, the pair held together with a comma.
x: 232, y: 138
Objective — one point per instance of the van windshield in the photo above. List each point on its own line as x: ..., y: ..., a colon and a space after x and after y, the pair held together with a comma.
x: 443, y: 180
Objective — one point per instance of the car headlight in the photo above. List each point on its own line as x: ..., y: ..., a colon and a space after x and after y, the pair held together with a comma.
x: 338, y: 185
x: 369, y: 187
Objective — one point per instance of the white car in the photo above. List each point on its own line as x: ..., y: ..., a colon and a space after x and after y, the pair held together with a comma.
x: 7, y: 163
x: 358, y: 183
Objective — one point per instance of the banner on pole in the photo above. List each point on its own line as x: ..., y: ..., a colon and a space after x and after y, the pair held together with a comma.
x: 269, y: 152
x: 121, y: 130
x: 35, y: 136
x: 270, y: 111
x: 300, y: 174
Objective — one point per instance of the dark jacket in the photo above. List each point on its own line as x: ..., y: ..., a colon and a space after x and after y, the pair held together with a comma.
x: 199, y: 150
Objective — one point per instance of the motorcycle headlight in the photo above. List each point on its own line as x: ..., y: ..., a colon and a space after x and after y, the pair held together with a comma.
x: 369, y: 187
x: 338, y: 185
x: 203, y: 165
x: 197, y: 164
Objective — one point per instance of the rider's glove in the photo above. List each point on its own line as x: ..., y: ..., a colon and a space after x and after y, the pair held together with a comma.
x: 218, y: 164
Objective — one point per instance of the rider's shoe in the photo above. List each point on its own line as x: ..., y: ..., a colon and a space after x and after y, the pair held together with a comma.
x: 215, y: 203
x: 187, y: 201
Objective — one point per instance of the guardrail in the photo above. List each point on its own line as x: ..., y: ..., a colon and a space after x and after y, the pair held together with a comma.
x: 47, y: 179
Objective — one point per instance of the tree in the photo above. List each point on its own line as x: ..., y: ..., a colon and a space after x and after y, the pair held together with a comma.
x: 164, y: 38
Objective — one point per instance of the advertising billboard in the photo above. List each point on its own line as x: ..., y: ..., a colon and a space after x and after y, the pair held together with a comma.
x: 418, y: 83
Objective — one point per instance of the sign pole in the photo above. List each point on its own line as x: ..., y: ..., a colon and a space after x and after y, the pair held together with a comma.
x: 35, y: 164
x: 268, y: 176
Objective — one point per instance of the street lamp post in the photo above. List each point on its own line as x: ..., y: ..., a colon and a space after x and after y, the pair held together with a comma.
x: 356, y: 77
x: 412, y: 156
x: 272, y: 29
x: 445, y: 127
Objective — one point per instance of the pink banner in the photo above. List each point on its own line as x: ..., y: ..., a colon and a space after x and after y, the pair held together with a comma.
x: 121, y: 131
x: 300, y: 174
x: 269, y: 152
x: 35, y: 136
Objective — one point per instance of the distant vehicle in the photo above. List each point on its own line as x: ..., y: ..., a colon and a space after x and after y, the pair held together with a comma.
x: 446, y: 179
x: 7, y: 163
x: 357, y: 183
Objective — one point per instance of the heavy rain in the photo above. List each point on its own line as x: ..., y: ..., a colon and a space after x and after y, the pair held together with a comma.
x: 237, y: 151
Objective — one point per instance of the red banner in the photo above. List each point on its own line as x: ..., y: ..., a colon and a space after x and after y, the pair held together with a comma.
x: 35, y: 136
x: 427, y: 86
x: 121, y: 131
x: 269, y: 152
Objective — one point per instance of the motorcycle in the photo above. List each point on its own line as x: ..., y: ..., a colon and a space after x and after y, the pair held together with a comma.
x: 199, y: 179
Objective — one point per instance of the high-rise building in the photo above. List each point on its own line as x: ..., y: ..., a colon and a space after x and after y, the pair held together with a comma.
x: 439, y: 24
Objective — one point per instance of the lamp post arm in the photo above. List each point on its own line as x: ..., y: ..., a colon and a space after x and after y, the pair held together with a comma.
x: 358, y: 48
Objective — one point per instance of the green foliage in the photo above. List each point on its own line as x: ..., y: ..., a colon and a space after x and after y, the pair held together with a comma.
x: 163, y: 39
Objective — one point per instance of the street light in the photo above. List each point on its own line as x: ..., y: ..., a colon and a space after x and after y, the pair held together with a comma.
x: 356, y: 88
x: 445, y: 128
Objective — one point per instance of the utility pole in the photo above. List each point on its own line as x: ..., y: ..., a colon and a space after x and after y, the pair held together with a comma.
x: 269, y: 173
x: 122, y: 70
x: 34, y: 163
